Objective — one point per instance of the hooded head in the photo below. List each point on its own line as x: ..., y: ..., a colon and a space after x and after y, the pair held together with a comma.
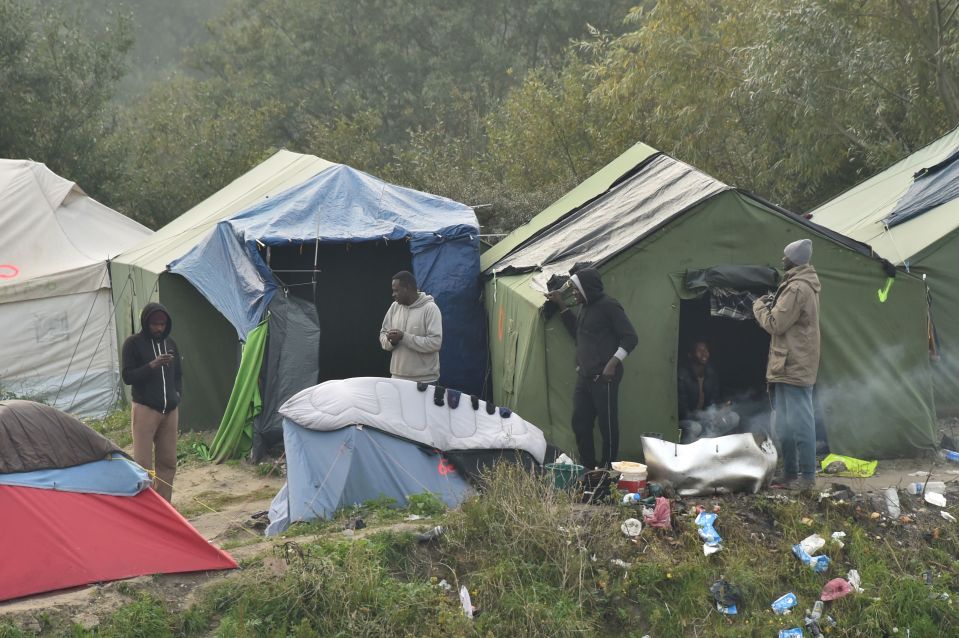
x: 798, y: 253
x: 588, y: 284
x: 155, y: 321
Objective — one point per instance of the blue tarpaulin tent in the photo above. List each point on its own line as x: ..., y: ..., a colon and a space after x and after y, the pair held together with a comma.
x: 283, y: 245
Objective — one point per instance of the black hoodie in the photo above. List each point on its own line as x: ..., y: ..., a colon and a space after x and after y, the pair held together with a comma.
x: 600, y: 328
x: 159, y: 388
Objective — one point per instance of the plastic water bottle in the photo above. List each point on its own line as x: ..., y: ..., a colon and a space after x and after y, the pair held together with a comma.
x: 632, y: 498
x: 949, y: 455
x: 931, y: 486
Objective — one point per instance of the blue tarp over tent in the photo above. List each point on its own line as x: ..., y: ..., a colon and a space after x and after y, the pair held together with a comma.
x: 344, y: 205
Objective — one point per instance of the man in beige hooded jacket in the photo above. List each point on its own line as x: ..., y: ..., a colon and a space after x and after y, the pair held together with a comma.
x: 791, y: 317
x: 412, y: 331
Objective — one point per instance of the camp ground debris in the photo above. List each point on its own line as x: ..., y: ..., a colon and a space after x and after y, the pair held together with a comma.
x: 909, y: 214
x: 353, y: 440
x: 278, y: 243
x: 71, y: 499
x: 56, y: 312
x: 650, y: 223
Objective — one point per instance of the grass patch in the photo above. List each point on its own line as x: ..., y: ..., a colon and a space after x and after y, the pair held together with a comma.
x: 115, y: 426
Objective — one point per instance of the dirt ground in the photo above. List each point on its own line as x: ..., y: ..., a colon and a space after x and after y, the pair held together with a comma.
x: 219, y: 501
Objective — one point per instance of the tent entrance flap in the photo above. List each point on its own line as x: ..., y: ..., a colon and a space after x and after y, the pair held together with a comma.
x: 351, y: 294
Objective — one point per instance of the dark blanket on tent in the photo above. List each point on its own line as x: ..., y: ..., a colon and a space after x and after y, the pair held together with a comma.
x: 34, y: 436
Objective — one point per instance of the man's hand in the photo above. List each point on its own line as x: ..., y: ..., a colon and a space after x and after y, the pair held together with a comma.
x: 394, y: 336
x: 609, y: 372
x: 556, y: 297
x: 163, y: 360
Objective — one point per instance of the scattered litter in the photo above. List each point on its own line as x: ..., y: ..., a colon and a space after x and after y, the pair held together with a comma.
x: 784, y: 604
x: 632, y: 498
x: 835, y: 589
x: 812, y: 544
x: 919, y: 473
x: 808, y: 522
x: 619, y: 563
x: 950, y: 455
x: 854, y: 580
x: 927, y: 486
x: 444, y: 585
x: 727, y: 596
x: 434, y: 533
x: 562, y: 459
x: 837, y: 538
x: 660, y: 517
x: 812, y: 619
x: 854, y: 468
x: 891, y: 498
x: 946, y: 515
x: 466, y: 602
x: 818, y: 564
x: 712, y: 540
x: 413, y: 517
x: 934, y: 498
x: 795, y: 632
x: 875, y: 515
x: 905, y: 520
x: 631, y: 527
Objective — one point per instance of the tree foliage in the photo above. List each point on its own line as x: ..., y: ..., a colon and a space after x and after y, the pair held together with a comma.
x: 57, y: 80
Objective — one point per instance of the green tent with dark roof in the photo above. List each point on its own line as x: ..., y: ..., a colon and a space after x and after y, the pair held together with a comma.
x: 909, y: 214
x: 652, y: 225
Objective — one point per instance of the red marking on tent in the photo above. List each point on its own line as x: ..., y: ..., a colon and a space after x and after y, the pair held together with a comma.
x: 54, y: 540
x: 445, y: 468
x: 502, y: 319
x: 8, y: 271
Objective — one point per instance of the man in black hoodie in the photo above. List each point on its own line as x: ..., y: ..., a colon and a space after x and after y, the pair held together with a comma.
x: 151, y: 366
x: 604, y: 336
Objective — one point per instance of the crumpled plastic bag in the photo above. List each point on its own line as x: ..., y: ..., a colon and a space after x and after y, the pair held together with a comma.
x: 836, y: 588
x: 660, y: 517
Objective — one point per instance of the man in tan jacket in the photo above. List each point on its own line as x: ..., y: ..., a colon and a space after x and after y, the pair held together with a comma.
x: 791, y: 316
x: 412, y: 331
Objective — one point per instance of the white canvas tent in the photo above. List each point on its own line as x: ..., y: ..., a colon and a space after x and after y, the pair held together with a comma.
x: 57, y: 334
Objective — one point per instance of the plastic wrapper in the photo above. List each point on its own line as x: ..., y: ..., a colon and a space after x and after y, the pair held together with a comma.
x: 784, y: 603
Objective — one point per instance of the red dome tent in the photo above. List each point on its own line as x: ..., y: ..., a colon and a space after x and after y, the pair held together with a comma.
x: 77, y: 511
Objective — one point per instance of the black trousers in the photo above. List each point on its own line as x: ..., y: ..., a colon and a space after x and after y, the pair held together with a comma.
x: 597, y: 402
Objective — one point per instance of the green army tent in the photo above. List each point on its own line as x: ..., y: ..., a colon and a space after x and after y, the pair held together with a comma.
x: 909, y: 214
x: 646, y: 221
x: 209, y: 346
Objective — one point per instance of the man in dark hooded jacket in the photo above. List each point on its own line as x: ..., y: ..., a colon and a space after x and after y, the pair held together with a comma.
x: 604, y: 336
x: 151, y: 366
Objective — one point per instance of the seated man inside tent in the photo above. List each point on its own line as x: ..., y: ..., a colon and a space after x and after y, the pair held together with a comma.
x: 700, y: 411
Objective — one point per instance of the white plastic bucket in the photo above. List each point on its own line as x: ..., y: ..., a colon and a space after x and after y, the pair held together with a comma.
x: 632, y: 476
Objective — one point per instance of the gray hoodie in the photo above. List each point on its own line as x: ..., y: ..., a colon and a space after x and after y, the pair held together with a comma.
x: 417, y: 356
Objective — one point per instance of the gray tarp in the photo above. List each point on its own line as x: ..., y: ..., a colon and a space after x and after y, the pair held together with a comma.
x: 37, y: 437
x: 292, y: 363
x: 332, y: 469
x: 661, y: 190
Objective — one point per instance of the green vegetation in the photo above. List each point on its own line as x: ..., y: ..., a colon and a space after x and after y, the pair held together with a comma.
x: 115, y: 426
x: 538, y: 563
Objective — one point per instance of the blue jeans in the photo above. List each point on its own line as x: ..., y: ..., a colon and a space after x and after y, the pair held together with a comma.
x: 796, y: 427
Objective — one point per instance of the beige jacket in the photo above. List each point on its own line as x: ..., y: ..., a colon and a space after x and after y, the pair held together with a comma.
x: 791, y: 316
x: 417, y: 356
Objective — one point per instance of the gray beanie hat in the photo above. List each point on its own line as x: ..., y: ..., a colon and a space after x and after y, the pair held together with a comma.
x: 799, y: 252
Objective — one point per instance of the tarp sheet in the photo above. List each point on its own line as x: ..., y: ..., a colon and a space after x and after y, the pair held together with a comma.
x: 339, y: 204
x: 932, y: 187
x: 332, y: 469
x: 234, y: 437
x: 662, y: 189
x: 54, y: 539
x: 291, y: 365
x: 34, y: 436
x: 116, y: 476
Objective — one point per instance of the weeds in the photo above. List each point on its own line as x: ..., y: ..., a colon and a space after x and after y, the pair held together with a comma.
x: 116, y: 427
